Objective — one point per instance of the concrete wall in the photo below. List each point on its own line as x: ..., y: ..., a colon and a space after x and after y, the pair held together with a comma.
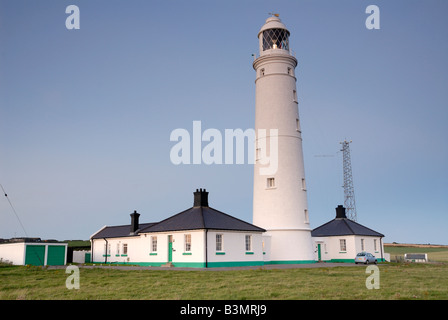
x: 13, y: 253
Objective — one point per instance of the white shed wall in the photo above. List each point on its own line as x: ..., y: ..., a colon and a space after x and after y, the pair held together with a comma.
x: 13, y: 253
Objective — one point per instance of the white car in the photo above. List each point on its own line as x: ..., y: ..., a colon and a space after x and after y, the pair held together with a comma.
x: 365, y: 257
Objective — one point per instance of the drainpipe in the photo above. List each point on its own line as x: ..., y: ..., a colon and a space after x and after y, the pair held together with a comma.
x: 206, y: 236
x: 382, y: 249
x: 105, y: 255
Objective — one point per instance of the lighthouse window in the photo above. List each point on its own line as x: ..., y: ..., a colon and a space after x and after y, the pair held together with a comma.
x: 261, y: 72
x: 294, y: 95
x: 298, y: 125
x: 275, y: 39
x: 271, y: 183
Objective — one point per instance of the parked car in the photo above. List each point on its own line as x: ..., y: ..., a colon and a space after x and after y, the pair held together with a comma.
x: 365, y: 257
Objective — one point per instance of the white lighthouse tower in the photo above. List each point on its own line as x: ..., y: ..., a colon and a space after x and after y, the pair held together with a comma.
x: 280, y: 199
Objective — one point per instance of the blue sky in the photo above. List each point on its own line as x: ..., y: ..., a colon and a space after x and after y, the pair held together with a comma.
x: 86, y: 115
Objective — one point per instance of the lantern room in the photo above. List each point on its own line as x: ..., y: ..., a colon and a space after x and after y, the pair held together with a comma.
x: 273, y: 36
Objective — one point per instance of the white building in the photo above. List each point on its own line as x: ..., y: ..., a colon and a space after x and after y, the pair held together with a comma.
x: 33, y: 251
x: 200, y: 237
x: 340, y: 239
x: 280, y: 199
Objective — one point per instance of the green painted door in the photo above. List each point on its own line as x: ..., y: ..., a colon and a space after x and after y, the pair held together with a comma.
x: 87, y: 257
x: 170, y: 248
x: 319, y: 257
x: 56, y: 255
x: 35, y: 255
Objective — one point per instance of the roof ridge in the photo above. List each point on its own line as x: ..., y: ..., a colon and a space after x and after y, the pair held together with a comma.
x: 234, y: 217
x: 323, y: 225
x: 345, y: 221
x: 170, y: 217
x: 363, y: 226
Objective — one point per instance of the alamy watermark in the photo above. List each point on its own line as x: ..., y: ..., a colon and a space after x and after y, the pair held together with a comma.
x: 373, y: 280
x: 235, y: 146
x: 72, y: 281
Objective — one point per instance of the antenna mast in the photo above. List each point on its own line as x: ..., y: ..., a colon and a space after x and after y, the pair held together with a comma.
x: 349, y: 191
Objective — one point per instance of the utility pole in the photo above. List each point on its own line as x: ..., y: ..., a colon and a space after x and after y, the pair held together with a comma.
x: 349, y: 191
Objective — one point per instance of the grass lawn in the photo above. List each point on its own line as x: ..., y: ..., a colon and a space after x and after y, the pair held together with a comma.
x: 397, y: 281
x: 439, y: 254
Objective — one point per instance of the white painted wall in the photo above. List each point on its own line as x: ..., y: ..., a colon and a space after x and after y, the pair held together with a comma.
x: 234, y: 247
x: 331, y: 250
x: 13, y: 253
x: 140, y: 248
x: 79, y: 256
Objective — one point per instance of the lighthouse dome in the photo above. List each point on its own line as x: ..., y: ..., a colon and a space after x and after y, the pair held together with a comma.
x: 272, y: 23
x: 273, y: 35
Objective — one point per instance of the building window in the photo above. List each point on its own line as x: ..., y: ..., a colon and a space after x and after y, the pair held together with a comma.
x: 261, y: 72
x: 294, y: 95
x: 125, y: 248
x: 362, y: 245
x: 118, y: 249
x: 153, y: 244
x: 270, y: 183
x: 307, y: 219
x: 248, y: 242
x: 219, y: 242
x: 374, y: 245
x: 187, y: 242
x: 297, y: 125
x: 343, y: 245
x: 289, y: 71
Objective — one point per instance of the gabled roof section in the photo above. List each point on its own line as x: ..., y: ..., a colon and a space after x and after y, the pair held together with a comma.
x: 201, y: 218
x: 118, y: 231
x: 342, y: 226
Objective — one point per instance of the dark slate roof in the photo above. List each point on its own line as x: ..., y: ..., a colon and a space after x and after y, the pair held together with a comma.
x: 118, y: 231
x: 191, y: 219
x: 342, y: 227
x: 202, y: 218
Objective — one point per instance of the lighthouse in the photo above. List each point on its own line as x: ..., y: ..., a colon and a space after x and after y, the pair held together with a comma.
x: 280, y: 196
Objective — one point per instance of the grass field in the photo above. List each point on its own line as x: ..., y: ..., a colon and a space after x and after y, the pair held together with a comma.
x: 397, y: 281
x: 438, y: 254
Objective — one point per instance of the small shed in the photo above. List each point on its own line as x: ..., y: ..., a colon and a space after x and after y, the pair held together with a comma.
x: 416, y: 257
x: 33, y: 251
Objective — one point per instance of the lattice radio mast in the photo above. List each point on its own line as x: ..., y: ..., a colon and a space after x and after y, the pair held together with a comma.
x: 349, y: 191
